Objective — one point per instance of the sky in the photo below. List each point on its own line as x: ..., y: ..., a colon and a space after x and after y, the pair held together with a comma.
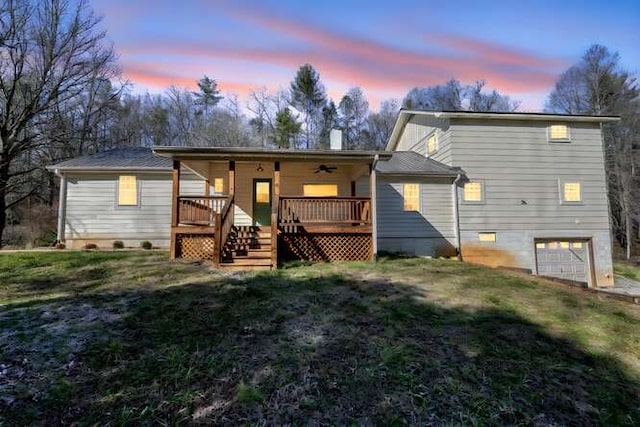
x: 517, y: 47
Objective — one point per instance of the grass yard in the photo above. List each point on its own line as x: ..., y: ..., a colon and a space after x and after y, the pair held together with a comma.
x: 131, y: 338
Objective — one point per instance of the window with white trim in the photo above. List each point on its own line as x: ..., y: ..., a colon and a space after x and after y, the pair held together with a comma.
x: 472, y: 191
x: 411, y: 196
x: 558, y: 133
x: 570, y: 192
x: 127, y: 190
x: 432, y: 144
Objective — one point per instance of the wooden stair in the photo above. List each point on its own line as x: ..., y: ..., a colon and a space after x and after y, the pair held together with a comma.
x: 247, y: 248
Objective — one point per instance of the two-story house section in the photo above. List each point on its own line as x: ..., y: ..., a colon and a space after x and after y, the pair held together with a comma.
x: 533, y: 194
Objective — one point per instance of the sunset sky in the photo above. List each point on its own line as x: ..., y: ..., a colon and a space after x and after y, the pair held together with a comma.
x: 386, y: 48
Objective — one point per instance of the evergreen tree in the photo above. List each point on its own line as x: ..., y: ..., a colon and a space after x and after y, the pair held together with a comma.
x: 287, y: 127
x: 308, y: 96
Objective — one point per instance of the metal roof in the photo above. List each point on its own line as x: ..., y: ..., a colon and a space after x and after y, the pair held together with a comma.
x: 132, y: 158
x: 412, y: 163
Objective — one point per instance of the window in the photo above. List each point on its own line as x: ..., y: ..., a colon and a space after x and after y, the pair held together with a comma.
x: 576, y: 245
x: 564, y: 245
x: 558, y: 133
x: 411, y: 196
x: 487, y: 237
x: 320, y: 190
x: 431, y: 144
x: 571, y: 192
x: 218, y: 185
x: 127, y: 190
x: 472, y: 191
x: 541, y: 245
x: 263, y: 192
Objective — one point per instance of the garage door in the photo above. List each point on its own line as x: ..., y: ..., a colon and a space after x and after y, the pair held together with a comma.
x: 563, y: 259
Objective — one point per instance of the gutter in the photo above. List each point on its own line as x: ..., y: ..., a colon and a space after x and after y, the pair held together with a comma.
x: 456, y: 215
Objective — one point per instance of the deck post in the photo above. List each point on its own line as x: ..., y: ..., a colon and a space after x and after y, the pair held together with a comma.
x: 207, y: 187
x: 217, y: 246
x: 274, y: 214
x: 373, y: 196
x: 175, y: 206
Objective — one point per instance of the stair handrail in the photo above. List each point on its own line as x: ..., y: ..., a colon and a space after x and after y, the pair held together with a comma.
x: 223, y: 224
x: 275, y: 218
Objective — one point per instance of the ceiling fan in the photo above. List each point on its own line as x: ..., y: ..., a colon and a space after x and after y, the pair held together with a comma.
x: 325, y: 168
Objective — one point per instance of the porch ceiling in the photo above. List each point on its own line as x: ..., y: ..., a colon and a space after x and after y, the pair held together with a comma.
x: 252, y: 154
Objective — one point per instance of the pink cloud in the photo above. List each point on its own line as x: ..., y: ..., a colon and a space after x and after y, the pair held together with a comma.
x: 343, y: 59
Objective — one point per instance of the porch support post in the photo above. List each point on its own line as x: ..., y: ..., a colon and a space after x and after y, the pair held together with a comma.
x: 274, y: 214
x: 62, y: 208
x: 374, y: 221
x: 232, y: 177
x: 207, y: 187
x: 353, y: 189
x: 175, y: 206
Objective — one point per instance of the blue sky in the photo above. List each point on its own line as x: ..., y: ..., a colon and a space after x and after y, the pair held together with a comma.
x: 518, y: 48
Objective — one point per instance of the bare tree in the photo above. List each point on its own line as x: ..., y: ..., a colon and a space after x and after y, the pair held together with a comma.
x: 454, y: 96
x: 265, y: 107
x: 598, y: 85
x: 380, y: 124
x: 51, y: 51
x: 353, y: 109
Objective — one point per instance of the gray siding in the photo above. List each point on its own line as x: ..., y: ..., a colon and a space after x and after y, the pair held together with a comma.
x: 415, y: 134
x: 430, y: 232
x: 521, y: 172
x: 94, y: 216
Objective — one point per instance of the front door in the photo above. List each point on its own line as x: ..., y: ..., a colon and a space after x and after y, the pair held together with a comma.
x: 261, y: 201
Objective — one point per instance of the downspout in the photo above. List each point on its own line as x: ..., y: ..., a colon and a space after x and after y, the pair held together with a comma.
x: 374, y: 220
x: 62, y: 207
x: 456, y: 216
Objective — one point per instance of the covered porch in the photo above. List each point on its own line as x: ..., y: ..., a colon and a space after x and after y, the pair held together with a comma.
x: 259, y: 208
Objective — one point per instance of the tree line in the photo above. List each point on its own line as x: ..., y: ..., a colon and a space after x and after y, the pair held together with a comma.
x: 62, y: 95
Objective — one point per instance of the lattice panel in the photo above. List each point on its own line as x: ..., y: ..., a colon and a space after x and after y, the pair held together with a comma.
x: 326, y: 247
x: 195, y: 246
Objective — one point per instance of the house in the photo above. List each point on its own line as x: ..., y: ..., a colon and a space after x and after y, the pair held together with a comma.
x: 518, y: 190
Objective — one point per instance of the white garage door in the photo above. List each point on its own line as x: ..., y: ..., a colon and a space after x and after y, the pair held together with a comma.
x: 564, y: 259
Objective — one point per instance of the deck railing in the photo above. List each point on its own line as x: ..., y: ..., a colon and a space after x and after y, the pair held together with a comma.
x: 200, y: 210
x: 324, y: 211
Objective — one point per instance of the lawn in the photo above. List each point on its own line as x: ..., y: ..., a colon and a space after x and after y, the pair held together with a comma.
x: 131, y: 338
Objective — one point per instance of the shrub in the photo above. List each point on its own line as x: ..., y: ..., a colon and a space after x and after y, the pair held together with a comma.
x: 90, y: 246
x: 59, y: 245
x: 118, y: 244
x: 146, y: 245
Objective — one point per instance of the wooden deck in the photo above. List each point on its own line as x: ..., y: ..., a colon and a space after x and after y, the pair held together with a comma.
x: 305, y: 228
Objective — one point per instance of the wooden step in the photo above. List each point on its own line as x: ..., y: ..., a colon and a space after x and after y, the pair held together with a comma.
x: 247, y: 261
x: 234, y: 267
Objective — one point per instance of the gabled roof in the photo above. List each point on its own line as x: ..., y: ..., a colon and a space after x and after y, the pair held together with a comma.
x: 132, y: 158
x: 405, y: 115
x: 414, y: 164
